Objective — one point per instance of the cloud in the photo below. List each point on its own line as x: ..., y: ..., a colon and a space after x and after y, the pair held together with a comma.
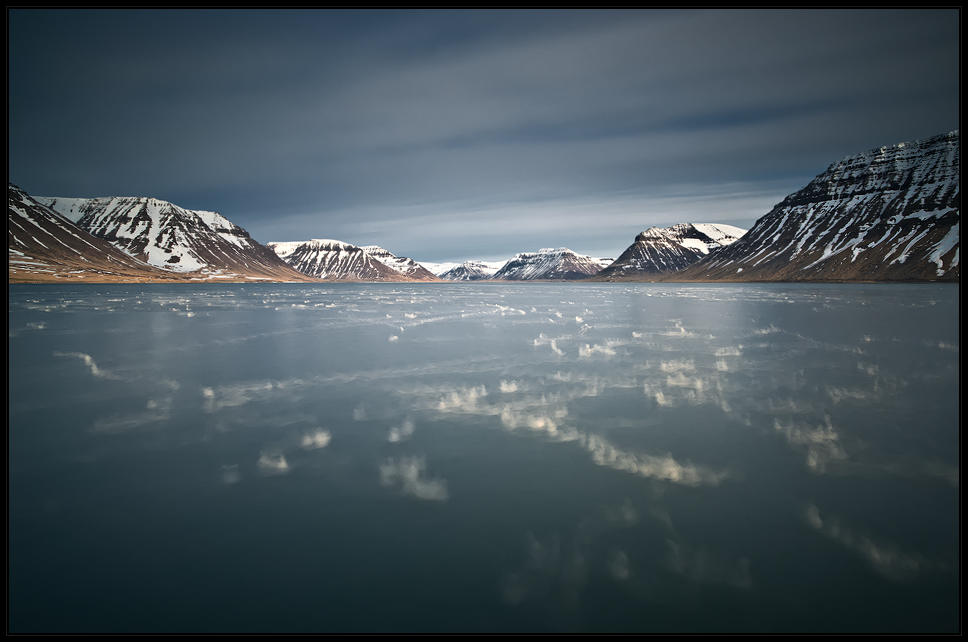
x: 316, y: 439
x: 551, y: 569
x: 239, y: 394
x: 230, y: 474
x: 155, y: 410
x: 663, y: 467
x: 408, y: 474
x: 272, y: 464
x: 402, y: 432
x: 464, y: 400
x: 86, y: 358
x: 618, y: 566
x: 822, y: 443
x: 542, y: 340
x: 884, y: 558
x: 590, y: 350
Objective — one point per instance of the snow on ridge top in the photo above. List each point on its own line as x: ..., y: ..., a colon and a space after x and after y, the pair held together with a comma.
x: 545, y: 252
x: 285, y: 248
x: 331, y: 242
x: 375, y: 249
x: 718, y: 231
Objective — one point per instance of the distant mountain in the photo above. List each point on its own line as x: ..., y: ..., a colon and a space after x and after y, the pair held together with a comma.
x: 659, y: 250
x: 335, y: 260
x: 550, y: 265
x: 472, y: 271
x: 888, y: 214
x: 172, y: 238
x: 407, y: 267
x: 438, y: 268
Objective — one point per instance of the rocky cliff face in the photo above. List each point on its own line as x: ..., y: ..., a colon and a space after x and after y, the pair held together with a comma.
x: 172, y: 238
x: 888, y: 214
x: 329, y: 259
x: 550, y: 264
x: 659, y: 251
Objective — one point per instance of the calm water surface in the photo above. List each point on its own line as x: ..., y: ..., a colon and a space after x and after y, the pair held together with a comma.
x: 537, y: 458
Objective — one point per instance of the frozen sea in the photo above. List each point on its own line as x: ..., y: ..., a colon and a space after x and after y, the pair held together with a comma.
x: 471, y: 457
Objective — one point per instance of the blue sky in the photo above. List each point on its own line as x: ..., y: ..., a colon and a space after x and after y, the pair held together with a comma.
x: 453, y: 135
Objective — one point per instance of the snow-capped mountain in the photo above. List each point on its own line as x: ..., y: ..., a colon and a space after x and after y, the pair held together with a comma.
x: 438, y: 268
x: 887, y: 214
x: 550, y: 265
x: 407, y: 267
x: 329, y: 259
x: 42, y: 245
x: 173, y: 238
x: 472, y: 271
x: 664, y: 250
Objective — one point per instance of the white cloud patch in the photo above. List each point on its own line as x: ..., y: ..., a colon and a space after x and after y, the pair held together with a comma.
x: 86, y: 358
x: 464, y: 400
x: 316, y: 439
x: 664, y: 467
x: 884, y: 558
x: 155, y: 410
x: 273, y: 464
x: 230, y: 474
x: 402, y: 432
x: 409, y: 475
x: 588, y: 350
x: 678, y: 366
x: 543, y: 340
x: 242, y: 393
x: 821, y: 442
x: 618, y: 566
x: 551, y: 569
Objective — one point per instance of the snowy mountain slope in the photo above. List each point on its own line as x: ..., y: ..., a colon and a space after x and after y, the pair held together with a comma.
x: 43, y: 245
x: 891, y: 213
x: 665, y: 250
x: 329, y: 259
x: 549, y: 264
x: 401, y: 264
x: 472, y: 271
x: 438, y: 268
x: 173, y: 238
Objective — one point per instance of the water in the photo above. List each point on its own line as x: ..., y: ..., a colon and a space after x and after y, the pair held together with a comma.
x: 391, y: 458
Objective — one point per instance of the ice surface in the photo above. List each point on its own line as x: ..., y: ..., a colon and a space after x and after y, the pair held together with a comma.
x: 634, y: 444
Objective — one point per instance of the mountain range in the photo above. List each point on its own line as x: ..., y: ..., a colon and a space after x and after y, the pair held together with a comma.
x: 888, y: 214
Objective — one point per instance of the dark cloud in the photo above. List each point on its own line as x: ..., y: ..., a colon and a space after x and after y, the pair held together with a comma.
x: 450, y: 134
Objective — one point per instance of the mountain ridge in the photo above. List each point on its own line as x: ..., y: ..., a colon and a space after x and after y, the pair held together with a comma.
x: 887, y: 214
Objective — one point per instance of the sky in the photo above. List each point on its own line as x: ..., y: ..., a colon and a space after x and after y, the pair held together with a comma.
x: 448, y: 135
